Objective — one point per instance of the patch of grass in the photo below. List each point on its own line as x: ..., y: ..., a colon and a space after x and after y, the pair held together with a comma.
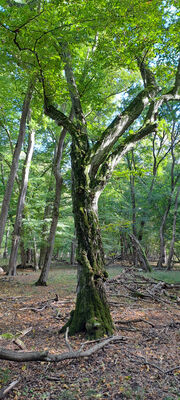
x: 166, y: 276
x: 114, y: 271
x: 67, y: 394
x: 5, y: 375
x: 63, y: 277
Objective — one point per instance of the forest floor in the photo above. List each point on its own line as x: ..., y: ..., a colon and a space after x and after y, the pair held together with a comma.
x: 143, y: 365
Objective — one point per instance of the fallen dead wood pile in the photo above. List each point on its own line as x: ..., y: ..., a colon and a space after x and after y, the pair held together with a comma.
x: 132, y: 285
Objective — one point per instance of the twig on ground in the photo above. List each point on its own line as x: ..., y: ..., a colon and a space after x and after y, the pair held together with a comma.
x: 145, y: 362
x: 19, y: 343
x: 7, y: 389
x: 67, y: 340
x: 33, y: 308
x: 132, y: 321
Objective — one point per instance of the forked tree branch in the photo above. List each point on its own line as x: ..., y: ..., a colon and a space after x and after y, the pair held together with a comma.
x: 115, y: 157
x: 20, y: 356
x: 149, y: 96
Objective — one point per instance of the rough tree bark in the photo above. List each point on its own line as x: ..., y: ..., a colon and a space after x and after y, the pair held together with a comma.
x: 92, y: 311
x: 15, y: 161
x: 20, y: 207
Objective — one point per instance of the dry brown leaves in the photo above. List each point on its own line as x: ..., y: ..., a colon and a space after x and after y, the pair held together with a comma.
x: 144, y: 367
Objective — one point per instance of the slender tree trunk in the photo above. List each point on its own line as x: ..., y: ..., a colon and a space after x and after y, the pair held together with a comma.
x: 35, y: 261
x: 171, y: 250
x: 174, y: 181
x: 161, y: 260
x: 42, y: 256
x: 5, y: 253
x: 91, y: 313
x: 14, y: 166
x: 29, y: 256
x: 73, y: 252
x: 20, y: 207
x: 131, y: 165
x: 140, y: 253
x: 43, y: 246
x: 42, y: 281
x: 47, y: 214
x: 23, y: 254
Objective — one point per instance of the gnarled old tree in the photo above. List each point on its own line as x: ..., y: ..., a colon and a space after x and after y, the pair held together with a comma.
x: 71, y: 41
x: 91, y: 168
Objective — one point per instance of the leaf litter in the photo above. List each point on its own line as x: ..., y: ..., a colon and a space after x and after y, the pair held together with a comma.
x: 144, y: 366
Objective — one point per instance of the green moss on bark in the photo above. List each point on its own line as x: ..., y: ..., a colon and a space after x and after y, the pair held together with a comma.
x: 91, y: 314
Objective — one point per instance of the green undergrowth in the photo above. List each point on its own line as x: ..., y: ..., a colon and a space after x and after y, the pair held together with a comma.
x: 165, y: 276
x: 160, y: 275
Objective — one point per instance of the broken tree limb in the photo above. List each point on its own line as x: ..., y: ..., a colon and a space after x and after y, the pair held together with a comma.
x: 132, y: 321
x: 140, y: 253
x: 21, y: 356
x: 67, y: 340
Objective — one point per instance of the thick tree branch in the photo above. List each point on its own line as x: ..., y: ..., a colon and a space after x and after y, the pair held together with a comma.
x: 116, y: 129
x: 65, y: 55
x: 148, y: 96
x: 60, y: 118
x: 147, y: 75
x: 115, y: 157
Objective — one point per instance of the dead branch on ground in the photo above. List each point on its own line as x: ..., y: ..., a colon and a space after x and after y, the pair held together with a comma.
x: 20, y: 356
x: 7, y: 389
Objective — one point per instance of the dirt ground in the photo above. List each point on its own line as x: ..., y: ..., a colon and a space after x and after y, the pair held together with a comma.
x: 144, y: 364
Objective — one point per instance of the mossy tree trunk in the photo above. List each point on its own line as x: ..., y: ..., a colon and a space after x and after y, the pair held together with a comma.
x: 91, y: 313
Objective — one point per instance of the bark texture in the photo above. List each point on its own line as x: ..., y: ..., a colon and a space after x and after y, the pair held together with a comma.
x: 92, y: 313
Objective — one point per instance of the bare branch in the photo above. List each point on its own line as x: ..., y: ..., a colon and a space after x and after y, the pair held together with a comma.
x: 67, y: 340
x: 20, y: 356
x: 7, y: 389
